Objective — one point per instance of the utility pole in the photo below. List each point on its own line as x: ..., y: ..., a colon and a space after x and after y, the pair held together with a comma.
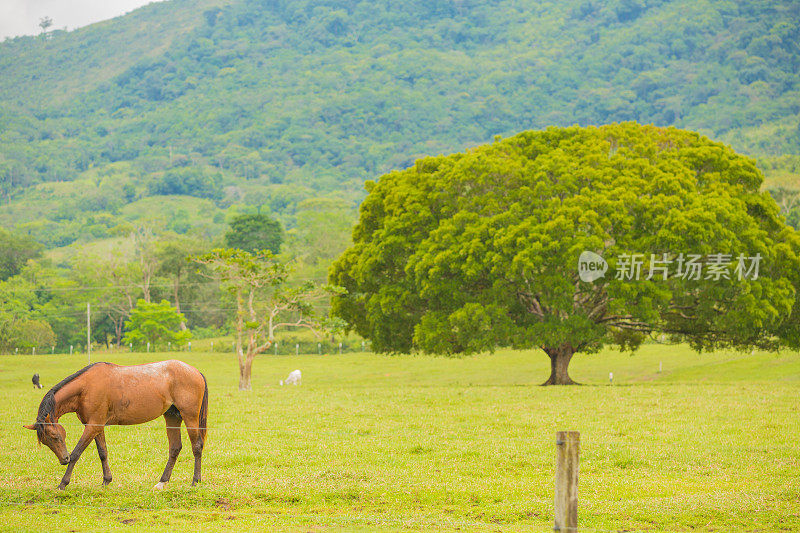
x: 89, y: 331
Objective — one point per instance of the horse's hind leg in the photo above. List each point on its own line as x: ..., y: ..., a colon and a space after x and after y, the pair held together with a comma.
x: 102, y: 451
x: 173, y: 418
x: 196, y: 438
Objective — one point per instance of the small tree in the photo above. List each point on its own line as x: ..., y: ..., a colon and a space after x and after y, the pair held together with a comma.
x: 15, y: 251
x: 32, y: 333
x: 172, y: 264
x: 17, y: 300
x: 156, y: 323
x: 255, y: 232
x: 44, y: 23
x: 144, y: 241
x: 264, y: 301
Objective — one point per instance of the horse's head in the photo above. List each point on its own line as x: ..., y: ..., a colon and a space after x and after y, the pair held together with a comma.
x: 53, y: 435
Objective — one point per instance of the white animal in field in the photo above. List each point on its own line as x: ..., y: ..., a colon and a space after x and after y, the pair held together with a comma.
x: 294, y: 378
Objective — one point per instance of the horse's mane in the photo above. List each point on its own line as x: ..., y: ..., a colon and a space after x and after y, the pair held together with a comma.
x: 48, y: 405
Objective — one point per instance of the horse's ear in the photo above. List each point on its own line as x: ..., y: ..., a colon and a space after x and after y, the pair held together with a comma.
x: 30, y: 426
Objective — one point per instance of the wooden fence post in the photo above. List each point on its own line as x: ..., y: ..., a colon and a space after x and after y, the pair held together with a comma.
x: 566, y: 499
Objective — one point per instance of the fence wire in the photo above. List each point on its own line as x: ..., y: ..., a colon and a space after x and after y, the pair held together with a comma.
x: 267, y: 430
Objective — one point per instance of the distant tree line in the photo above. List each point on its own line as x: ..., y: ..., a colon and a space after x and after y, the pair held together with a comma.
x: 143, y: 287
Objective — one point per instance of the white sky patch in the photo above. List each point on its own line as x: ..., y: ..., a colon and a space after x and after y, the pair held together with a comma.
x: 21, y: 17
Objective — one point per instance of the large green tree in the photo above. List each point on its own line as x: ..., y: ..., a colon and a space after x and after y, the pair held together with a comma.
x: 476, y: 250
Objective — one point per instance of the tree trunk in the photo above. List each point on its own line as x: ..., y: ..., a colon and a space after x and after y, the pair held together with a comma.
x: 560, y: 357
x: 146, y: 289
x: 246, y: 366
x: 119, y: 323
x: 245, y: 369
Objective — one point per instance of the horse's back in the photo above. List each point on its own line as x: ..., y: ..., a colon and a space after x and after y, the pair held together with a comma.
x: 139, y: 393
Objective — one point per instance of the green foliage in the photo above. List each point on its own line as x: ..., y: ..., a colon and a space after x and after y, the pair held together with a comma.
x: 463, y: 253
x: 322, y: 233
x: 785, y: 185
x: 157, y: 324
x: 278, y: 102
x: 17, y: 304
x: 15, y: 251
x: 111, y: 276
x: 174, y: 257
x: 28, y: 334
x: 238, y: 268
x: 252, y: 233
x: 188, y: 182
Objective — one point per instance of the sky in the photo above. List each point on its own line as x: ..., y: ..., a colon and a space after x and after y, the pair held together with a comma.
x: 21, y: 17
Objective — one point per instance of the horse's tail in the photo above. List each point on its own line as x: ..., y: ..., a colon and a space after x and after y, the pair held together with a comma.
x: 204, y: 410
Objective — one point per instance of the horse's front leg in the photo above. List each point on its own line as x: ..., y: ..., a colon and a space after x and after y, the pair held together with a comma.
x: 102, y: 451
x: 89, y: 433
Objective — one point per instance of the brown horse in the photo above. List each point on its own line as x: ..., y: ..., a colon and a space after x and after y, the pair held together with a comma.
x: 104, y: 394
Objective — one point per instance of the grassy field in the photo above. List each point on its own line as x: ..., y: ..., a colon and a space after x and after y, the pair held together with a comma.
x: 415, y: 443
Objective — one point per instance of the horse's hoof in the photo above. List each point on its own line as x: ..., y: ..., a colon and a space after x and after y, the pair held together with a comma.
x: 62, y: 486
x: 106, y: 481
x: 160, y: 485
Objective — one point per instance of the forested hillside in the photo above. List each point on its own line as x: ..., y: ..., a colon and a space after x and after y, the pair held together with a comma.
x: 220, y: 104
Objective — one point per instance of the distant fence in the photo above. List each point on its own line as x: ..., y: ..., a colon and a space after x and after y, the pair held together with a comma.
x: 283, y: 347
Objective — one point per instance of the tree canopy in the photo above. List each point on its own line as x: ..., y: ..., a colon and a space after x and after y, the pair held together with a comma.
x: 255, y: 232
x: 468, y: 252
x: 15, y: 250
x: 156, y: 324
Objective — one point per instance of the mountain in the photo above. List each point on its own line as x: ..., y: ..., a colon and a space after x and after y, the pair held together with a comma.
x: 219, y: 104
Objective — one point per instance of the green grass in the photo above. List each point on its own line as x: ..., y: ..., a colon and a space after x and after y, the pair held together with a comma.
x: 416, y: 443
